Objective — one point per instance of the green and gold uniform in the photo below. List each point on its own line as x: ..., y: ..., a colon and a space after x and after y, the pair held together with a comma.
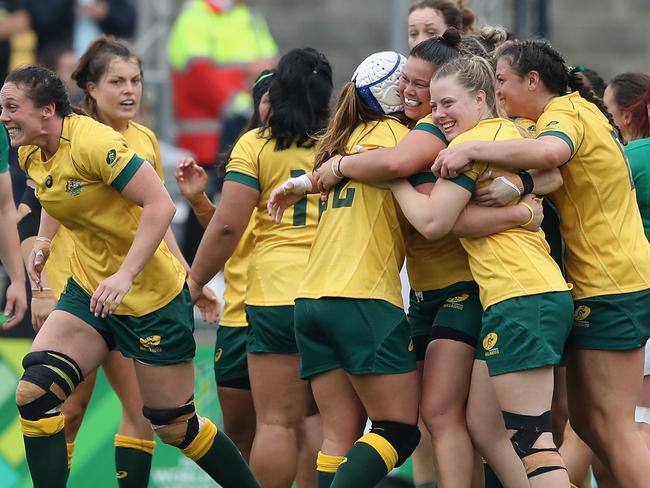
x: 607, y: 253
x: 527, y: 302
x: 277, y: 262
x: 349, y: 306
x: 79, y: 186
x: 444, y: 300
x: 230, y: 363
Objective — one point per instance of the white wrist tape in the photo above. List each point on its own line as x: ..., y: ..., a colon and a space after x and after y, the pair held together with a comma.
x: 301, y: 185
x: 505, y: 180
x: 642, y: 415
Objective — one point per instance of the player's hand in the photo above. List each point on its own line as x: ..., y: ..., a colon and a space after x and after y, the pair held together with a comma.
x: 452, y: 161
x: 37, y: 259
x: 208, y: 305
x: 109, y: 293
x: 16, y: 304
x: 503, y: 189
x: 42, y: 307
x: 538, y: 212
x: 280, y: 199
x: 191, y: 179
x: 326, y: 177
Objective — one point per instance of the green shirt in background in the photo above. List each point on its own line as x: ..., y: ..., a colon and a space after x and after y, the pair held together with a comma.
x: 638, y: 153
x: 4, y: 151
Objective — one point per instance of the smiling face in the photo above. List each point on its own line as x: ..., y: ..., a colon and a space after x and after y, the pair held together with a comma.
x: 24, y: 121
x: 414, y: 87
x: 118, y: 92
x: 423, y: 24
x: 455, y: 109
x: 512, y: 90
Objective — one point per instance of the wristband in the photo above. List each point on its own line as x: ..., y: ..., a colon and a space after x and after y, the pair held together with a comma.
x: 43, y: 293
x: 338, y: 168
x: 532, y: 214
x: 527, y: 181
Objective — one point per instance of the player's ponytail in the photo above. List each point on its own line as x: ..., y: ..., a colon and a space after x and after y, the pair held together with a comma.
x: 577, y: 84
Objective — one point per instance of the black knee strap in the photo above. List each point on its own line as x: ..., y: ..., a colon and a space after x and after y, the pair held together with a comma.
x: 403, y: 437
x: 528, y: 428
x: 43, y: 368
x: 166, y: 416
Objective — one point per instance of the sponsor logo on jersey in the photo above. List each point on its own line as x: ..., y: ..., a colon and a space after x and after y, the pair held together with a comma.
x: 552, y: 123
x: 151, y: 344
x: 48, y: 181
x: 73, y: 187
x: 489, y: 343
x: 111, y: 157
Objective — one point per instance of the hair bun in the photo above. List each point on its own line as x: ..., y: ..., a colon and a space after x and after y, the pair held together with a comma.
x: 451, y: 37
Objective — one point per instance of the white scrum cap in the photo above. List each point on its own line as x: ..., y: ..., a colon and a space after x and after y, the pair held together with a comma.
x: 377, y: 81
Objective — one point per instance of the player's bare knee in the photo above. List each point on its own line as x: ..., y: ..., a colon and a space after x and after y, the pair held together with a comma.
x: 176, y: 426
x: 27, y: 392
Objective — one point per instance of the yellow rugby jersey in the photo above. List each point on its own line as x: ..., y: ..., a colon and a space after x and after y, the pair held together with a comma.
x: 278, y: 260
x: 526, y: 124
x: 145, y: 144
x: 606, y: 248
x: 79, y: 186
x: 359, y: 248
x: 515, y: 262
x: 432, y: 265
x: 235, y: 273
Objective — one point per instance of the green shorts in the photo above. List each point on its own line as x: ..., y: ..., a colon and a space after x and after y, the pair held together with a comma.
x: 453, y: 312
x: 270, y: 329
x: 618, y: 322
x: 230, y: 362
x: 526, y: 332
x: 361, y: 336
x: 159, y: 338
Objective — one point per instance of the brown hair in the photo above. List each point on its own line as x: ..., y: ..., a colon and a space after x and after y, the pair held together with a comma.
x: 455, y: 13
x: 632, y: 93
x: 95, y: 61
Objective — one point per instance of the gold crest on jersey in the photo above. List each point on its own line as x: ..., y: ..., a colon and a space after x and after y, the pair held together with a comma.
x: 73, y: 187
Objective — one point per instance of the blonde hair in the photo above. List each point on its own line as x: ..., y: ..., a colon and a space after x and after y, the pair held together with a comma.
x: 474, y: 73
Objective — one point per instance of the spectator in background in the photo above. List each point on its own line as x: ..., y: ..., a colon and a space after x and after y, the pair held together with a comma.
x: 216, y: 49
x: 94, y: 17
x: 51, y: 20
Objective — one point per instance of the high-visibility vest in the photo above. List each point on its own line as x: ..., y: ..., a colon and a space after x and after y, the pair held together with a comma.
x: 208, y: 53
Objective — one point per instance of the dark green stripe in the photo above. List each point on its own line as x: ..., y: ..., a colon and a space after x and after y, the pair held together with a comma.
x: 561, y: 135
x: 421, y: 178
x: 464, y: 181
x: 432, y: 129
x: 242, y: 178
x: 127, y: 173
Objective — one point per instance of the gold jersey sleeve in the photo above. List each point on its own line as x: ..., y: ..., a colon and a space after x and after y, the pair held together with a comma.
x: 606, y: 248
x: 432, y: 265
x: 277, y: 262
x: 80, y: 186
x: 359, y: 247
x: 515, y: 262
x: 145, y: 144
x: 235, y: 274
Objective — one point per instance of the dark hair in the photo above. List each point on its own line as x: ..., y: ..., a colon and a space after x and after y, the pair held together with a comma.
x: 260, y: 87
x: 538, y: 55
x: 95, y: 61
x: 43, y: 87
x: 484, y: 42
x: 438, y: 50
x: 594, y: 80
x: 299, y: 96
x: 632, y: 93
x: 455, y: 14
